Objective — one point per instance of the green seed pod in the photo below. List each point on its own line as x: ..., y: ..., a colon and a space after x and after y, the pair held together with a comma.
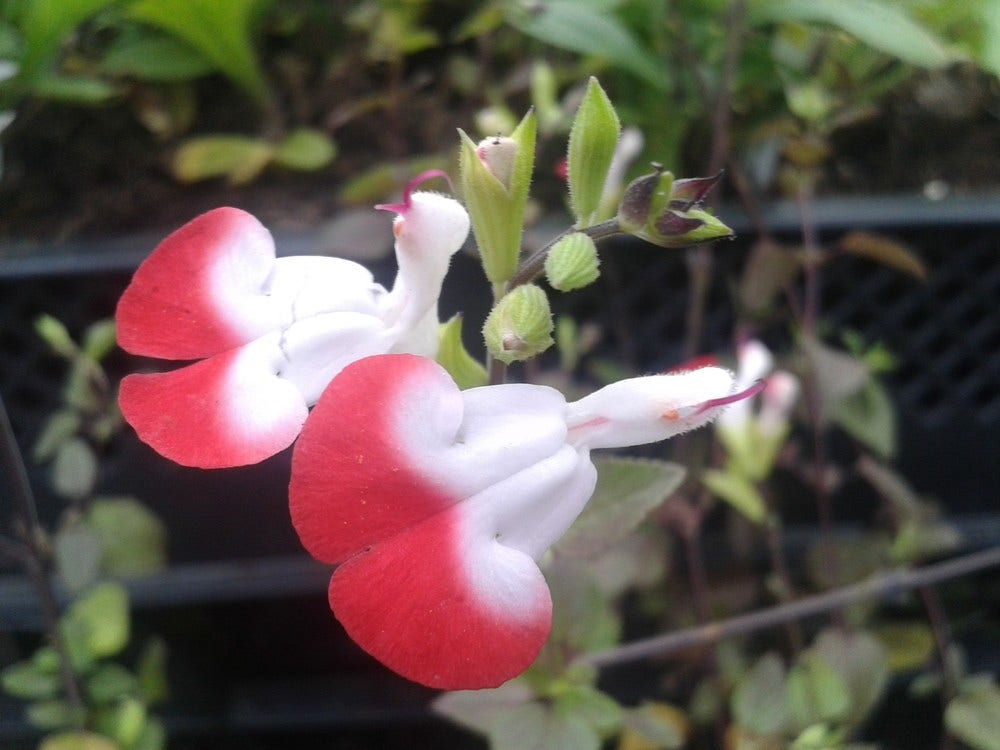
x: 572, y: 263
x: 520, y: 325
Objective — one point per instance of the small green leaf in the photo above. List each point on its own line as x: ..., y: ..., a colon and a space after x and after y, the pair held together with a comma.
x: 816, y: 693
x: 592, y: 141
x: 54, y: 715
x: 452, y: 356
x: 881, y: 25
x: 305, y: 150
x: 59, y: 428
x: 481, y: 710
x: 974, y: 717
x: 908, y: 645
x: 152, y: 737
x: 152, y: 672
x: 838, y: 374
x: 74, y: 470
x: 46, y: 24
x: 238, y: 158
x: 124, y: 722
x: 758, y: 701
x: 102, y: 616
x: 52, y: 331
x: 99, y: 339
x: 859, y: 660
x: 738, y: 491
x: 870, y: 418
x: 594, y: 708
x: 109, y: 683
x: 133, y: 539
x: 627, y: 490
x: 654, y: 725
x: 583, y: 618
x: 46, y: 659
x: 77, y: 741
x: 77, y: 556
x: 25, y: 680
x: 537, y: 727
x: 74, y: 89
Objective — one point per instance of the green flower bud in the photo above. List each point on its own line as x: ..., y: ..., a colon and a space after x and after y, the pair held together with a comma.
x: 495, y: 177
x: 668, y: 212
x: 592, y: 141
x: 520, y: 325
x: 572, y: 262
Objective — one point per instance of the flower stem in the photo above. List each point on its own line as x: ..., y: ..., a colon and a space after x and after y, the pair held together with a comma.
x: 887, y: 585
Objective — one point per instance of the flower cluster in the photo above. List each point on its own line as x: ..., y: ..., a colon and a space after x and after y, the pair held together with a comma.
x: 435, y: 503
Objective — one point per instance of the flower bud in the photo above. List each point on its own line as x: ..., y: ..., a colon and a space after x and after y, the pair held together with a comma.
x: 495, y: 177
x: 668, y: 212
x: 520, y: 325
x: 572, y: 262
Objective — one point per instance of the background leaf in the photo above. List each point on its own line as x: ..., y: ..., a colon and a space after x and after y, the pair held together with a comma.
x: 974, y: 717
x: 627, y: 490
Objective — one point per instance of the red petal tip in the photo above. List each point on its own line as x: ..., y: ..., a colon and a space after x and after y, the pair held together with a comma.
x: 411, y: 186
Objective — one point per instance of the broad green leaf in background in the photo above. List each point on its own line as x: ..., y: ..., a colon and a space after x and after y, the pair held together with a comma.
x: 589, y: 29
x: 54, y: 715
x: 133, y: 539
x: 974, y: 717
x: 153, y: 56
x: 466, y: 371
x: 28, y: 681
x: 306, y: 150
x: 222, y: 30
x: 595, y: 709
x: 240, y: 159
x: 859, y: 659
x: 535, y: 726
x: 627, y: 490
x: 46, y: 24
x: 101, y: 616
x: 877, y: 23
x: 758, y: 701
x: 816, y: 693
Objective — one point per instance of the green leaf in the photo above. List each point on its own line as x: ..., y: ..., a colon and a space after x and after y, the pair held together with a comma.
x: 52, y: 331
x: 974, y: 717
x: 47, y: 24
x: 481, y: 710
x: 133, y: 539
x: 74, y: 470
x: 109, y: 683
x: 452, y: 356
x: 590, y: 706
x: 592, y: 140
x: 654, y: 725
x: 152, y: 737
x: 305, y: 150
x: 758, y: 701
x: 738, y: 491
x: 838, y: 374
x: 25, y: 680
x: 59, y: 428
x: 153, y: 56
x: 102, y: 617
x: 870, y: 418
x: 54, y: 715
x: 908, y: 645
x: 816, y: 693
x: 77, y: 741
x: 537, y: 727
x: 152, y: 672
x: 77, y: 556
x: 628, y: 489
x: 859, y: 660
x: 124, y: 722
x: 238, y: 158
x: 99, y: 339
x: 583, y: 618
x: 222, y: 30
x: 589, y: 29
x: 881, y: 25
x: 74, y: 89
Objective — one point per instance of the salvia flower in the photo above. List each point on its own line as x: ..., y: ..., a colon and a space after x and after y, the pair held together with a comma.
x: 269, y: 332
x: 437, y: 503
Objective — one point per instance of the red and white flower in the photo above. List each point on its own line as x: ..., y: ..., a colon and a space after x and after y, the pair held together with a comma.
x: 269, y: 332
x: 437, y: 503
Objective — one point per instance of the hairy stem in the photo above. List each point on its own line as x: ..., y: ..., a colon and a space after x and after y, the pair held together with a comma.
x: 886, y: 585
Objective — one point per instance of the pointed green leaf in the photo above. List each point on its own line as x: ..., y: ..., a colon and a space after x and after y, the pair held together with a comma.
x: 222, y: 30
x: 738, y: 491
x: 592, y: 141
x: 881, y: 25
x: 452, y: 356
x: 99, y: 339
x: 628, y: 489
x: 151, y: 670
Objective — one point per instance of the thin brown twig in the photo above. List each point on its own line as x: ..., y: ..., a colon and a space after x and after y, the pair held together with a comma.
x: 886, y: 585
